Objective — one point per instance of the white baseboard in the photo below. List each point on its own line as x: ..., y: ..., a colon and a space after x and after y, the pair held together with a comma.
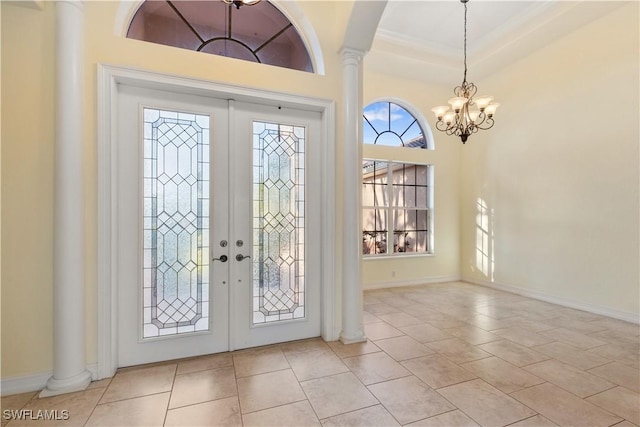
x: 565, y: 302
x: 413, y: 282
x: 34, y: 382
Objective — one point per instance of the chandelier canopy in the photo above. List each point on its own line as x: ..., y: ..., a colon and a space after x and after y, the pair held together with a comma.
x: 468, y: 114
x: 238, y: 3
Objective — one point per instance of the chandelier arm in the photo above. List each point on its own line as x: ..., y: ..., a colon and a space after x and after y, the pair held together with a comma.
x: 489, y: 124
x: 441, y: 126
x: 481, y: 119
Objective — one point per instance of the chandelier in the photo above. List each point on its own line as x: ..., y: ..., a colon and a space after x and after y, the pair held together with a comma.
x: 238, y: 3
x: 463, y: 120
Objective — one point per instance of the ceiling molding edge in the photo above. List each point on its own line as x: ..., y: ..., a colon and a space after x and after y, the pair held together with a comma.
x: 31, y: 4
x: 533, y: 31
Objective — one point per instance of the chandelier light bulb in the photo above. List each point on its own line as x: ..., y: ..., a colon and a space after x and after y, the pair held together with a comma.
x: 491, y: 109
x: 473, y: 115
x: 448, y: 118
x: 457, y: 103
x: 483, y: 101
x: 440, y: 111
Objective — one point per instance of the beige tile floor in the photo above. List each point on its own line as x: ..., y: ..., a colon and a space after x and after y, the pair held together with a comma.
x: 449, y: 354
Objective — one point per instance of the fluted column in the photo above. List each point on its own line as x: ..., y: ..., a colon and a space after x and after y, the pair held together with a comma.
x: 69, y: 363
x: 352, y: 326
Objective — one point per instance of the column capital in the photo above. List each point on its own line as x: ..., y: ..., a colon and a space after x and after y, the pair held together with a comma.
x: 351, y: 56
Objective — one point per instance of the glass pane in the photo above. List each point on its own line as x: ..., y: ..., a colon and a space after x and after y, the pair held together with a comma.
x: 208, y: 18
x: 286, y: 50
x: 175, y: 231
x: 409, y: 185
x: 374, y: 183
x: 157, y: 22
x: 374, y: 231
x: 410, y: 230
x: 278, y: 222
x: 410, y: 241
x: 256, y: 24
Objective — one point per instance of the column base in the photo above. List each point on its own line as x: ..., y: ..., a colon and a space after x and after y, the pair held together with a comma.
x: 78, y: 382
x: 352, y: 339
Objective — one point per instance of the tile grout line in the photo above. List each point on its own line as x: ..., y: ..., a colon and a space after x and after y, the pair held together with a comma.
x: 173, y: 383
x: 96, y: 405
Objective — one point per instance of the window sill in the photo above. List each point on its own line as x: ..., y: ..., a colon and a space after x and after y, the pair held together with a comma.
x: 380, y: 257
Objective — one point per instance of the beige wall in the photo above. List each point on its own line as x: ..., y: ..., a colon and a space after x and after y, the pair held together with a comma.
x: 559, y: 171
x: 27, y: 189
x: 444, y: 263
x: 27, y: 150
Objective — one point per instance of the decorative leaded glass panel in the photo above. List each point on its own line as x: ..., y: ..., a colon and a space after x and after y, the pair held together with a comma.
x: 175, y: 223
x: 278, y: 222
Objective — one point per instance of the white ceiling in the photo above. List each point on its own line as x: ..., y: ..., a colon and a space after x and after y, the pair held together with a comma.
x: 426, y: 37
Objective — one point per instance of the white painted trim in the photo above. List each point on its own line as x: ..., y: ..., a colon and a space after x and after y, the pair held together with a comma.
x: 305, y: 30
x: 565, y: 302
x: 413, y: 282
x: 25, y: 383
x: 107, y: 221
x: 108, y: 79
x: 34, y: 382
x: 330, y: 328
x: 128, y: 8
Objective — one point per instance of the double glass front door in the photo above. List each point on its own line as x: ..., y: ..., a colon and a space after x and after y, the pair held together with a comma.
x: 218, y: 225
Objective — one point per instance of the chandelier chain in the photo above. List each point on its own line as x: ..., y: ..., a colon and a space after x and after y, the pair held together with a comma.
x: 465, y: 43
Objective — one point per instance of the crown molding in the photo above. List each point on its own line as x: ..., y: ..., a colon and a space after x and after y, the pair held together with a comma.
x: 30, y: 4
x: 527, y: 32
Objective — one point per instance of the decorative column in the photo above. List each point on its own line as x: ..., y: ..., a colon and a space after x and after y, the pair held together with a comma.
x: 69, y: 364
x: 352, y: 326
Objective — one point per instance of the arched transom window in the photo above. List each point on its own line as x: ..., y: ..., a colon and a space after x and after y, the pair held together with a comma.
x: 387, y: 123
x: 257, y: 33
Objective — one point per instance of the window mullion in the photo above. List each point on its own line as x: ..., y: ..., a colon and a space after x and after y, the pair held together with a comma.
x: 390, y: 209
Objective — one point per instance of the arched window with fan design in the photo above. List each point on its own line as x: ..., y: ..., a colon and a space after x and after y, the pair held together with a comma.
x: 257, y: 33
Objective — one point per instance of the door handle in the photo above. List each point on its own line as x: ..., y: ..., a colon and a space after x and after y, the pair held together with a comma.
x: 240, y: 257
x: 223, y: 258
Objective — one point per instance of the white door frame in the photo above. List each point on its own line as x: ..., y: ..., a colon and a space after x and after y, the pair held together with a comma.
x: 108, y: 79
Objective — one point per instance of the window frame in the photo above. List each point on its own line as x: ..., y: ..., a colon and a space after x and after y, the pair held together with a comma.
x: 399, y: 155
x: 391, y: 207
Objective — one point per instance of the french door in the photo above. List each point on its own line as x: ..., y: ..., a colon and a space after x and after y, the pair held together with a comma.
x: 218, y: 225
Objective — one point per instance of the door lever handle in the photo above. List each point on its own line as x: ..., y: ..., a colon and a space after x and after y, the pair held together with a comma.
x: 240, y: 257
x: 223, y: 258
